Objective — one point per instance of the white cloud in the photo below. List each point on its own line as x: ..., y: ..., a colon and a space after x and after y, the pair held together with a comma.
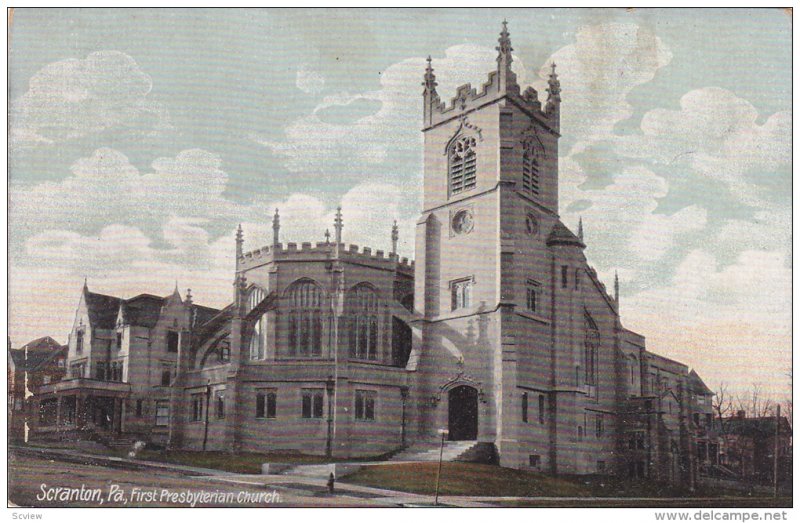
x: 75, y: 97
x: 715, y: 134
x: 622, y: 225
x: 597, y: 73
x: 325, y: 150
x: 309, y: 81
x: 732, y: 323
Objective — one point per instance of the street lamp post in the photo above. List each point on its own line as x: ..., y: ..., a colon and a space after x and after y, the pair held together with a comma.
x: 329, y: 385
x: 444, y: 434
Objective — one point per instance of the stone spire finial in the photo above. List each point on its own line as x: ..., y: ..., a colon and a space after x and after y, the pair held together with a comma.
x: 505, y: 43
x: 337, y: 227
x: 395, y: 236
x: 580, y: 228
x: 276, y: 228
x: 85, y: 283
x: 239, y: 241
x: 507, y: 78
x: 327, y: 236
x: 616, y: 288
x: 430, y: 78
x: 554, y: 86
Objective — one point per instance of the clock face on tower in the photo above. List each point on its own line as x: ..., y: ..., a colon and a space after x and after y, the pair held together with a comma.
x: 462, y: 222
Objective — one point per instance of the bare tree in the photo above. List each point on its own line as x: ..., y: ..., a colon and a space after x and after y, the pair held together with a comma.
x: 722, y: 406
x: 756, y: 404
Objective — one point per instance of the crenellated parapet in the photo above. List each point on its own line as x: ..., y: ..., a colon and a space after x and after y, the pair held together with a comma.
x: 501, y: 83
x: 323, y: 251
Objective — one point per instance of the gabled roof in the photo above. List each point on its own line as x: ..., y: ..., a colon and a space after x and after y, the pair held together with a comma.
x: 102, y: 310
x: 204, y: 331
x: 143, y: 310
x: 561, y: 235
x: 201, y: 315
x: 698, y: 385
x: 40, y: 351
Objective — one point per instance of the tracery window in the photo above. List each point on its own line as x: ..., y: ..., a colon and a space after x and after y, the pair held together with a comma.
x: 258, y: 341
x: 305, y: 300
x: 591, y: 344
x: 363, y: 307
x: 530, y: 168
x: 462, y: 166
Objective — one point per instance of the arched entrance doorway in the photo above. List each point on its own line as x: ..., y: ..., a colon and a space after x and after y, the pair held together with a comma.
x: 463, y: 413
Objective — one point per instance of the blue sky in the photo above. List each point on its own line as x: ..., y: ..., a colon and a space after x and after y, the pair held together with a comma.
x: 140, y: 138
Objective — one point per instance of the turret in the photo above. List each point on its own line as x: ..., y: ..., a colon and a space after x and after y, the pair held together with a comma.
x: 276, y: 228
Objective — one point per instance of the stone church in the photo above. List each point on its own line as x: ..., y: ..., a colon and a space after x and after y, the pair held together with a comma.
x: 499, y: 333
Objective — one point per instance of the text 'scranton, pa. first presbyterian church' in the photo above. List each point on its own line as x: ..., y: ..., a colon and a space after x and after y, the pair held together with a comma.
x: 499, y: 332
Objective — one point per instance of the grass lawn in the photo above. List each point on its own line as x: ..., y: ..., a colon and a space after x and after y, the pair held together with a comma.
x: 472, y: 479
x: 242, y: 462
x: 464, y: 479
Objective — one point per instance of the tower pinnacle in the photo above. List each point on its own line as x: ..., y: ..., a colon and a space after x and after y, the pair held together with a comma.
x: 554, y: 86
x: 580, y: 228
x: 508, y: 80
x: 276, y: 228
x: 239, y: 241
x: 616, y: 289
x: 395, y: 236
x: 337, y: 226
x: 430, y: 78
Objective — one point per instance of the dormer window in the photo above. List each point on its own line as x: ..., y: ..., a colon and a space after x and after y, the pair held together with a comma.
x: 462, y: 165
x: 79, y: 342
x: 119, y: 340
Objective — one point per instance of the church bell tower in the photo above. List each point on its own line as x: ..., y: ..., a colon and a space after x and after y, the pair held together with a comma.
x: 490, y: 193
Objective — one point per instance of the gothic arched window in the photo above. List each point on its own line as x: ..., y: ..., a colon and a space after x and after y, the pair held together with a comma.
x: 304, y: 313
x: 530, y: 168
x: 363, y: 311
x: 591, y: 345
x: 462, y: 166
x: 258, y: 341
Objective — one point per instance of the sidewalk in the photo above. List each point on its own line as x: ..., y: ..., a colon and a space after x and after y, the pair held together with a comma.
x: 303, y: 485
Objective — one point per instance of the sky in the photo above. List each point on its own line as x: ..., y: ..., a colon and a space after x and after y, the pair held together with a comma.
x: 140, y: 138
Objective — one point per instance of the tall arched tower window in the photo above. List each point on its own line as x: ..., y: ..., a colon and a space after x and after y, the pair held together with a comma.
x: 531, y: 156
x: 462, y: 165
x: 591, y: 345
x: 363, y: 309
x: 304, y: 314
x: 258, y: 340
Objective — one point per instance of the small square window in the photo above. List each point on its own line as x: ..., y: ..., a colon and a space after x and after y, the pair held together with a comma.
x: 461, y: 294
x: 312, y: 403
x: 162, y: 413
x: 365, y: 405
x: 535, y: 460
x: 266, y: 403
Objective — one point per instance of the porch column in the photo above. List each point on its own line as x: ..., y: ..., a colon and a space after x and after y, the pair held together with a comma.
x: 58, y: 410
